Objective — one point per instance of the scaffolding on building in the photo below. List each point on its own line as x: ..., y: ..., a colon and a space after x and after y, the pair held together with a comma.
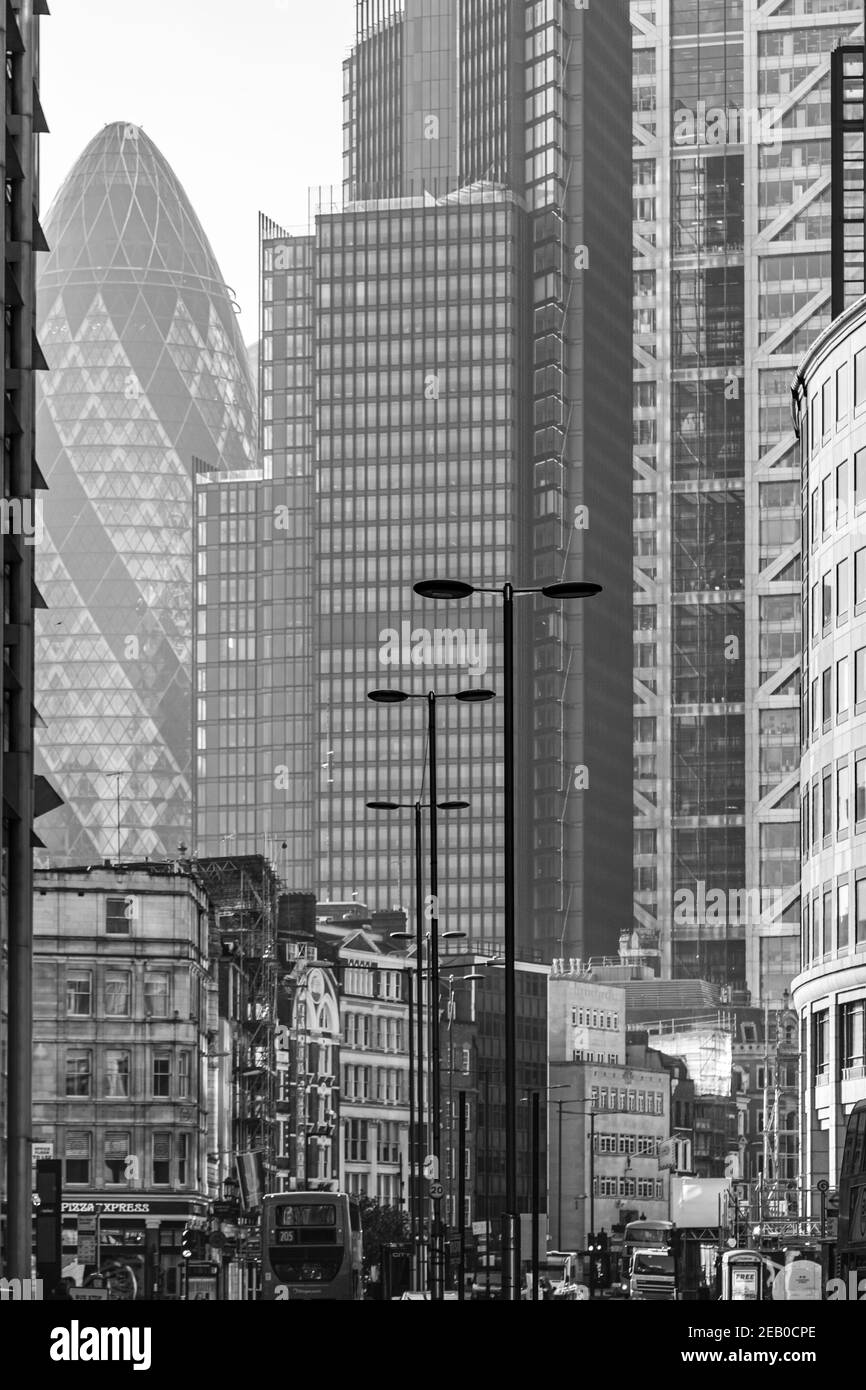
x: 243, y: 895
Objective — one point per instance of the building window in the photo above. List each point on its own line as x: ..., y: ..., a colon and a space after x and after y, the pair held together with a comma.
x: 161, y: 1159
x: 78, y: 1072
x: 842, y: 927
x: 156, y: 994
x: 78, y: 1142
x: 389, y: 1087
x: 183, y: 1072
x: 119, y: 915
x: 389, y: 1141
x: 820, y: 1044
x: 184, y: 1147
x: 356, y: 1083
x: 389, y: 984
x: 116, y: 1153
x: 79, y: 993
x: 117, y: 1073
x: 162, y: 1074
x: 355, y: 1141
x: 118, y: 994
x: 851, y: 1031
x: 388, y: 1189
x: 860, y: 910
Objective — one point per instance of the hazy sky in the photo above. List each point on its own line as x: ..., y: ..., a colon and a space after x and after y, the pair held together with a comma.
x: 244, y: 100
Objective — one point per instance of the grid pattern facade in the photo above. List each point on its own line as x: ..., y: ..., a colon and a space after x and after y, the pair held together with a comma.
x: 848, y: 190
x: 254, y: 779
x: 542, y: 110
x: 732, y: 284
x: 149, y: 384
x: 417, y: 448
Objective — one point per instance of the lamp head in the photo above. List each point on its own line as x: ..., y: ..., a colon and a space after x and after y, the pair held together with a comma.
x: 443, y: 589
x: 383, y: 806
x: 475, y: 697
x: 453, y: 806
x: 571, y: 590
x: 387, y: 697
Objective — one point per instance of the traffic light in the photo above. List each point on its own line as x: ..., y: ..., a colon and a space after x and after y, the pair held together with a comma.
x: 49, y: 1206
x: 591, y: 1244
x: 188, y: 1243
x: 603, y: 1242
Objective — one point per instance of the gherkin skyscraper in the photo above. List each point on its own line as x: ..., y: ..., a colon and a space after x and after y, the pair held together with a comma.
x: 149, y: 386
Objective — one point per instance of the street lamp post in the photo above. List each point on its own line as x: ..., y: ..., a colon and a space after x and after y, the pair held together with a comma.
x: 416, y: 1127
x: 397, y: 697
x: 448, y: 590
x: 449, y: 984
x: 592, y: 1114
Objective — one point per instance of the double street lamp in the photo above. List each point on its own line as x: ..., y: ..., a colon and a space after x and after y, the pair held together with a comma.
x: 416, y: 1040
x: 399, y: 697
x: 450, y: 590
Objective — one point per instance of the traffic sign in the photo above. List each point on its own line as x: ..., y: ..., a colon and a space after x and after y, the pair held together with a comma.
x: 431, y: 1167
x: 89, y: 1295
x: 437, y: 1191
x: 823, y: 1185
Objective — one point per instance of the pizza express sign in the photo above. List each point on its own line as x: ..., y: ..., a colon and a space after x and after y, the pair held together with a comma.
x: 128, y: 1208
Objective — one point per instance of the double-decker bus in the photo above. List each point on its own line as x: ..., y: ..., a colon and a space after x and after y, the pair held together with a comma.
x: 851, y: 1242
x: 311, y: 1247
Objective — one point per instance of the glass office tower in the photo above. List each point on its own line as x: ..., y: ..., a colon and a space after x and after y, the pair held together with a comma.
x: 149, y: 385
x: 505, y: 282
x: 732, y: 128
x: 465, y: 414
x: 253, y: 609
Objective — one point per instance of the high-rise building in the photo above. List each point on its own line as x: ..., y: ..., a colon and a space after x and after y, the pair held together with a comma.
x: 149, y: 387
x: 829, y: 993
x: 444, y: 388
x: 254, y: 784
x: 20, y: 533
x: 732, y: 137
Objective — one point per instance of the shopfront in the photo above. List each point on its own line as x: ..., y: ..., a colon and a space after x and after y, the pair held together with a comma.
x: 135, y: 1245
